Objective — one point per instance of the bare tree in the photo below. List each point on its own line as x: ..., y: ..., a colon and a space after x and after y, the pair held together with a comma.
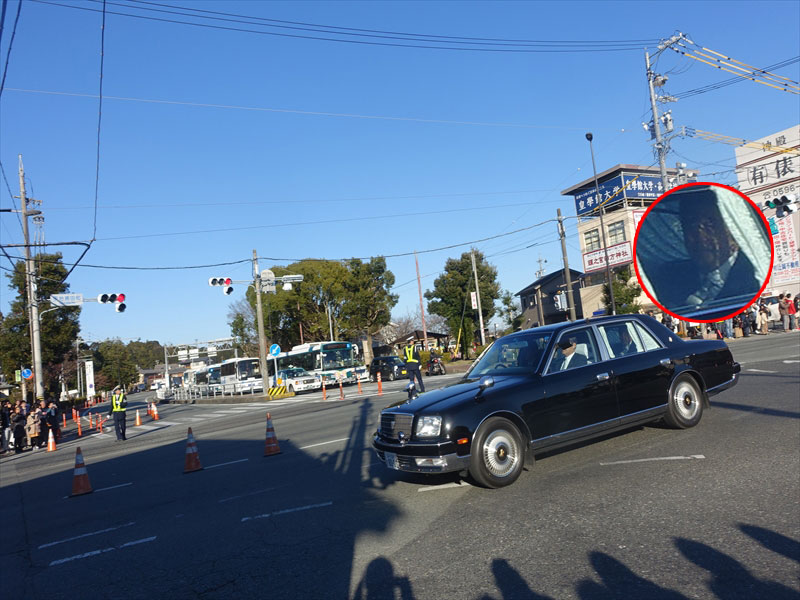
x: 242, y: 320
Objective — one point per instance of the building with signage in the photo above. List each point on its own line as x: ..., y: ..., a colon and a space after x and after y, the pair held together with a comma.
x: 544, y: 301
x: 765, y: 174
x: 625, y: 192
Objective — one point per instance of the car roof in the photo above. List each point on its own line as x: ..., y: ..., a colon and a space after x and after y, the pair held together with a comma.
x: 557, y: 327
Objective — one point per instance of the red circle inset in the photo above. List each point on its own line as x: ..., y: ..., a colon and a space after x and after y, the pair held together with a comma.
x: 651, y: 295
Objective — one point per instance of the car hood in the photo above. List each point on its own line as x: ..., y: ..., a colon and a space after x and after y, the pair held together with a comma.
x: 463, y: 390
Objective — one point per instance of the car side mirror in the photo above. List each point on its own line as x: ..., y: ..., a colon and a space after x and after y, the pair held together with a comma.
x: 485, y: 383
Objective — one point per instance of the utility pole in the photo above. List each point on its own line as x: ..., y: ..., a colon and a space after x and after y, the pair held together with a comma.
x: 589, y: 137
x: 167, y: 382
x: 541, y: 261
x: 478, y: 295
x: 30, y: 279
x: 654, y: 80
x: 421, y: 307
x: 262, y: 339
x: 567, y: 279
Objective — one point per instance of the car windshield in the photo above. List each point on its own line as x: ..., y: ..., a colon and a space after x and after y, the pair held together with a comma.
x: 512, y: 355
x: 393, y: 360
x: 295, y: 373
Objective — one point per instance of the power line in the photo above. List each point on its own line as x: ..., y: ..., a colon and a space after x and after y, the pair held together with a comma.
x: 447, y: 37
x: 99, y: 119
x: 277, y: 259
x: 10, y: 45
x: 322, y: 222
x: 730, y: 81
x: 300, y: 112
x: 620, y: 47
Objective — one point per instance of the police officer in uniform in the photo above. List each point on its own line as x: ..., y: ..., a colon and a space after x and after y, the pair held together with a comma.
x: 119, y: 402
x: 412, y: 364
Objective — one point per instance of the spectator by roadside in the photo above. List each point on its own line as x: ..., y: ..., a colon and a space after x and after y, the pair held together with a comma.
x: 792, y: 310
x: 783, y: 310
x: 33, y: 428
x: 18, y: 429
x: 5, y: 425
x: 763, y: 318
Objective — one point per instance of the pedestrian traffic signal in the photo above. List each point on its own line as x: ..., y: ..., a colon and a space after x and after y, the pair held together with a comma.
x: 783, y: 205
x: 225, y: 282
x: 118, y: 299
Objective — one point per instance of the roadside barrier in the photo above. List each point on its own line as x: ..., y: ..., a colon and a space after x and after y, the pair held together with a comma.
x: 324, y: 395
x: 80, y: 433
x: 278, y: 390
x: 138, y: 419
x: 380, y: 385
x: 80, y: 477
x: 192, y: 456
x: 341, y: 391
x: 65, y: 419
x: 271, y: 443
x: 51, y: 442
x: 91, y: 420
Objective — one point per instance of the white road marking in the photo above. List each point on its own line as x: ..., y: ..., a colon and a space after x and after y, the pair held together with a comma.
x: 789, y: 362
x: 445, y: 486
x: 162, y: 422
x: 270, y: 489
x: 323, y: 443
x: 639, y: 460
x: 228, y: 463
x: 759, y: 371
x: 287, y: 510
x: 77, y: 537
x: 113, y: 487
x: 146, y: 427
x: 101, y: 551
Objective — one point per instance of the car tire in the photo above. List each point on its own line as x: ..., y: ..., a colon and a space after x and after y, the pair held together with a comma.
x: 498, y: 454
x: 290, y: 389
x: 685, y: 404
x: 372, y: 378
x: 391, y: 376
x: 444, y: 370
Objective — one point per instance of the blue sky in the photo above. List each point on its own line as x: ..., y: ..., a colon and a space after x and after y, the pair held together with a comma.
x: 480, y: 143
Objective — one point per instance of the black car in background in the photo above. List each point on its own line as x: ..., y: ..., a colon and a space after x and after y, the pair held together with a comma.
x: 553, y: 386
x: 390, y: 368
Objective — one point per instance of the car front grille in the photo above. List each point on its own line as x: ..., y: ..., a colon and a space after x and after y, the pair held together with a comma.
x: 309, y: 380
x: 394, y: 423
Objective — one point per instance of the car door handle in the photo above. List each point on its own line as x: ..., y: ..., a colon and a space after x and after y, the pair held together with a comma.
x: 666, y: 362
x: 602, y: 376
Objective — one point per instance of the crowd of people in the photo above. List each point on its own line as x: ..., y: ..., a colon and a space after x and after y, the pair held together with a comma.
x: 27, y: 427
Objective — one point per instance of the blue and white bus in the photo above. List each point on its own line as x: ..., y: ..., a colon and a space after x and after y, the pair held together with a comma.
x: 241, y: 375
x: 329, y: 361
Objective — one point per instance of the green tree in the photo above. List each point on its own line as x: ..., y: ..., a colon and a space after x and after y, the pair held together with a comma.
x: 59, y: 328
x: 146, y: 355
x: 369, y: 302
x: 114, y: 364
x: 450, y: 295
x: 626, y: 292
x: 512, y: 315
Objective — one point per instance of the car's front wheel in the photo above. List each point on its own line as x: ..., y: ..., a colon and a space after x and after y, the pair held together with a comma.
x: 497, y: 453
x: 685, y: 407
x: 391, y: 376
x: 290, y: 389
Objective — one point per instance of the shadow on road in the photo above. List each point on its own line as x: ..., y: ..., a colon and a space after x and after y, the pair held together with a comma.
x: 773, y: 412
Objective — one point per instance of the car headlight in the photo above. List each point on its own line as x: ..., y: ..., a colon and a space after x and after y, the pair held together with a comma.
x: 429, y: 426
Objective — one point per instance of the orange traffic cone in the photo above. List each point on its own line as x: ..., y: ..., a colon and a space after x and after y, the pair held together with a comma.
x: 155, y: 412
x: 324, y: 395
x: 91, y: 421
x: 192, y: 456
x: 271, y: 444
x: 341, y: 391
x: 149, y: 412
x: 65, y: 419
x: 51, y: 442
x: 380, y: 385
x: 80, y: 478
x: 359, y: 387
x: 80, y: 433
x: 138, y: 419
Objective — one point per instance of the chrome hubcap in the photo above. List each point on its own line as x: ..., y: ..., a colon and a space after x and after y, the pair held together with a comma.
x: 500, y: 453
x: 686, y: 401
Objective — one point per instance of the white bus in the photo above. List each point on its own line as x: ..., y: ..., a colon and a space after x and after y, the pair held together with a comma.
x: 241, y: 375
x: 330, y: 361
x: 208, y: 378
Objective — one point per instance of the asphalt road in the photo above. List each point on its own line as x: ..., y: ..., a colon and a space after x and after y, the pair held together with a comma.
x: 710, y: 512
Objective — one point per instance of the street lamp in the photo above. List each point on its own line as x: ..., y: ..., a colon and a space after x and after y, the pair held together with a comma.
x: 602, y: 228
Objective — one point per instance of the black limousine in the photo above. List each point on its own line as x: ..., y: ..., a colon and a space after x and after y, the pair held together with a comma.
x: 552, y: 386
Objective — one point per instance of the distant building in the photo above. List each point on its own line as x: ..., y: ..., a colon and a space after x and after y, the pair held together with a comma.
x: 767, y: 174
x: 623, y: 209
x: 545, y: 300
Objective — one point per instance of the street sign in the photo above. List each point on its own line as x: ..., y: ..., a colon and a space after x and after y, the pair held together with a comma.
x: 66, y: 299
x: 474, y: 297
x: 268, y: 282
x: 27, y: 374
x: 274, y: 350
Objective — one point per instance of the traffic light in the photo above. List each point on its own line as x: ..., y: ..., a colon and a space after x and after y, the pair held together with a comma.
x: 118, y: 299
x: 225, y: 282
x: 783, y: 205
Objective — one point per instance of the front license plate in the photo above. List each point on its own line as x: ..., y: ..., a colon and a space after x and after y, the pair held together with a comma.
x: 391, y: 461
x: 402, y: 372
